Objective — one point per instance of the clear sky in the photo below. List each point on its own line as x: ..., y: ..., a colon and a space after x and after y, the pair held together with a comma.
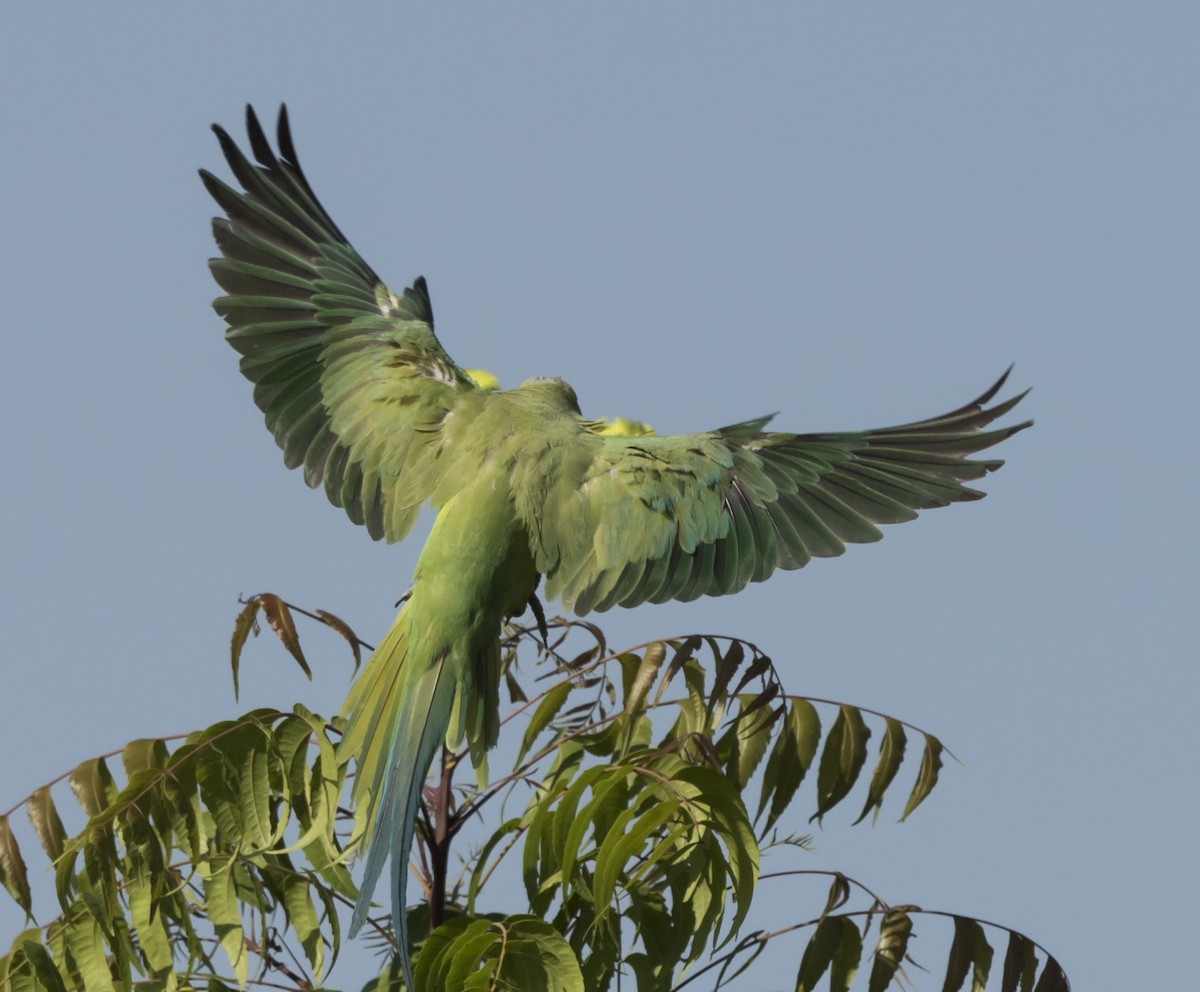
x: 854, y: 214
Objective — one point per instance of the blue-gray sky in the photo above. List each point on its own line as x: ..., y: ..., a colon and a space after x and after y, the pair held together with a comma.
x: 695, y: 213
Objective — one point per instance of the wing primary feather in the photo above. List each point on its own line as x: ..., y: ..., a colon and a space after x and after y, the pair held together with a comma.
x: 866, y: 500
x: 842, y: 520
x: 789, y: 539
x: 298, y: 299
x: 703, y: 570
x: 819, y: 540
x: 659, y: 576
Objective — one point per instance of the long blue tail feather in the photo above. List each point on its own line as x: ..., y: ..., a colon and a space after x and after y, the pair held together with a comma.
x: 414, y: 711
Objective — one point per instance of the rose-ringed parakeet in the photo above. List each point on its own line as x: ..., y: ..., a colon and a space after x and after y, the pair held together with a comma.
x: 358, y: 391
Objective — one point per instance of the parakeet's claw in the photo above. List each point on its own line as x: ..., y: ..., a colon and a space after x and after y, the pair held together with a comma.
x: 404, y: 599
x: 539, y: 614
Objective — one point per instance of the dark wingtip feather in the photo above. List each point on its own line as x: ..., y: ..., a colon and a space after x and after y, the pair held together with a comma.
x: 1015, y: 429
x: 986, y: 397
x: 259, y: 144
x: 233, y: 154
x: 997, y: 386
x: 283, y: 135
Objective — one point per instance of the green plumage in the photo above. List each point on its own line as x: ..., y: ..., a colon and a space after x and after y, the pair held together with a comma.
x: 358, y: 391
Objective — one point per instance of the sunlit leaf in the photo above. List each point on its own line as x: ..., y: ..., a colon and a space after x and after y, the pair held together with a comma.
x: 47, y: 825
x: 220, y: 899
x: 744, y: 743
x: 85, y: 942
x: 280, y: 618
x: 543, y: 714
x: 891, y: 754
x: 246, y: 622
x: 608, y: 798
x: 13, y: 874
x: 30, y: 968
x: 302, y: 913
x: 643, y: 680
x: 254, y: 796
x: 149, y: 925
x: 895, y: 929
x: 93, y: 786
x: 625, y: 840
x: 143, y: 754
x: 842, y: 759
x: 790, y: 759
x: 927, y: 776
x: 640, y: 857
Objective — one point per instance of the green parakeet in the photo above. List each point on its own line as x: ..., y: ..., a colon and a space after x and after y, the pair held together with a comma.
x: 359, y: 392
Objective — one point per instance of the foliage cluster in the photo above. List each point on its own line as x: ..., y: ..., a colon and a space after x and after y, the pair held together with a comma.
x: 645, y: 790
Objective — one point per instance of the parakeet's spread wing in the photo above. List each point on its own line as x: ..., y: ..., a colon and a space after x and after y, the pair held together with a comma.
x: 358, y: 390
x: 350, y: 376
x: 648, y: 519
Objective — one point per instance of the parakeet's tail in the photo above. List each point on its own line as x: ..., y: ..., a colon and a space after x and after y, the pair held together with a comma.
x: 397, y: 714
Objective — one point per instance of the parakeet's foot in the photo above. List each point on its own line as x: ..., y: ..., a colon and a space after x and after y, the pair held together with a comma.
x: 539, y: 614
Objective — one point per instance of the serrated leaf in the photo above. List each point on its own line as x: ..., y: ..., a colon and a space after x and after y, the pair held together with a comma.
x: 515, y: 693
x: 927, y: 776
x: 891, y: 754
x: 343, y: 628
x: 839, y: 894
x: 93, y: 786
x: 220, y: 900
x: 745, y: 742
x: 279, y: 616
x: 297, y: 900
x: 537, y: 956
x: 432, y: 959
x: 543, y: 714
x: 790, y: 758
x: 623, y: 842
x: 47, y: 825
x: 728, y: 816
x: 149, y: 925
x: 1020, y: 964
x: 45, y: 973
x: 969, y: 951
x: 894, y: 932
x: 683, y: 654
x: 13, y: 874
x: 753, y: 730
x: 842, y: 759
x: 246, y: 622
x: 643, y: 680
x: 254, y: 797
x: 608, y: 793
x: 836, y: 947
x: 1053, y: 978
x: 726, y: 668
x: 85, y: 942
x: 757, y: 668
